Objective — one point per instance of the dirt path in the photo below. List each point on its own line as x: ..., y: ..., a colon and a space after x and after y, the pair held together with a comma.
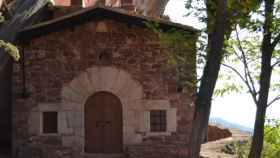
x: 213, y: 149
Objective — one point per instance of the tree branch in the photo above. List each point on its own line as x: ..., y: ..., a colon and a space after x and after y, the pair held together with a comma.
x: 201, y: 55
x: 253, y: 94
x: 274, y: 100
x: 275, y: 41
x: 237, y: 55
x: 276, y: 63
x: 235, y: 70
x: 246, y: 67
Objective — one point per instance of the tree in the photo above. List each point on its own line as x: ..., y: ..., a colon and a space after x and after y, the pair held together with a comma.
x: 257, y: 57
x: 18, y: 15
x: 221, y: 16
x: 217, y: 27
x: 269, y: 43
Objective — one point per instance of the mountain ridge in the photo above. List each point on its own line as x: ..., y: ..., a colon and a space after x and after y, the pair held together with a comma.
x: 227, y: 124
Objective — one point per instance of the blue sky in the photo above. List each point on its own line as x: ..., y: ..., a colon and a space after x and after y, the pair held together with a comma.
x: 236, y: 108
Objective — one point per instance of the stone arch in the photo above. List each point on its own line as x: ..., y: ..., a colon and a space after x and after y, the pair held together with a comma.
x: 96, y: 79
x: 93, y: 80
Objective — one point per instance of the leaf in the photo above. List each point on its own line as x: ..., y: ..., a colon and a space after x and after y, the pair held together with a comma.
x: 11, y: 49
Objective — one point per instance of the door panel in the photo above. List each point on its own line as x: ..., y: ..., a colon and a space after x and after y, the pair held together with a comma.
x: 103, y: 124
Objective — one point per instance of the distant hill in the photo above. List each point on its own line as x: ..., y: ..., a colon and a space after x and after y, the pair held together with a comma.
x: 226, y: 124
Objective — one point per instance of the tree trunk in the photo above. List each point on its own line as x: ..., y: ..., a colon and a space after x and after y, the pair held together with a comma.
x: 5, y: 107
x: 22, y: 16
x: 200, y: 124
x: 265, y: 78
x: 209, y: 78
x: 257, y: 142
x: 266, y: 70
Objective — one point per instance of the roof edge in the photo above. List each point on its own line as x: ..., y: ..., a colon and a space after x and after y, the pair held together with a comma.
x: 111, y: 10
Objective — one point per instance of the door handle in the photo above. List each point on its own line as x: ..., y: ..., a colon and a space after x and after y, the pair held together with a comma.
x: 103, y: 123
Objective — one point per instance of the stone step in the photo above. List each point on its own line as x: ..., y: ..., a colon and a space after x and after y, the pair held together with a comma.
x: 104, y: 156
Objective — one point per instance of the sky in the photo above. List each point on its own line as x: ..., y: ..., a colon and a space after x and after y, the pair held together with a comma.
x: 236, y: 108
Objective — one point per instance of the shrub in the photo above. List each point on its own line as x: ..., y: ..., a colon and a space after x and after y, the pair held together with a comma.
x: 271, y: 148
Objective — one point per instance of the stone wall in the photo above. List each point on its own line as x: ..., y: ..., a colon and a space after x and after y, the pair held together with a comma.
x: 60, y: 64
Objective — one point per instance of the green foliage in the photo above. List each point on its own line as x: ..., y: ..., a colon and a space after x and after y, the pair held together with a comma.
x: 242, y: 149
x: 271, y: 147
x: 182, y: 52
x: 206, y: 10
x: 237, y: 52
x: 242, y: 61
x: 10, y: 49
x: 272, y: 139
x: 2, y: 19
x: 227, y: 89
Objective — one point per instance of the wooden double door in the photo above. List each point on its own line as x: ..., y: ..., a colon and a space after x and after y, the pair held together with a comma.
x: 103, y: 124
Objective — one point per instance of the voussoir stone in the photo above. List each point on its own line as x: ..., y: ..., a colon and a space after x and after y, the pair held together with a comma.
x: 107, y: 76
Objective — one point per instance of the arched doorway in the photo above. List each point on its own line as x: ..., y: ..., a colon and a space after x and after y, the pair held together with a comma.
x: 103, y: 124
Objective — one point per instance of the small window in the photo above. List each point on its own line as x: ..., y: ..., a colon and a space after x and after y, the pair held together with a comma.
x: 158, y: 120
x: 49, y: 122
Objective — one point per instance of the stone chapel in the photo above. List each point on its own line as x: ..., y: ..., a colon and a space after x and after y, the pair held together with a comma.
x: 94, y: 82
